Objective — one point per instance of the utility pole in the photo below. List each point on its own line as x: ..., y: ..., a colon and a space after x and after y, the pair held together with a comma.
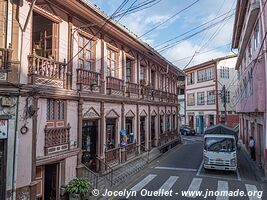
x: 224, y: 99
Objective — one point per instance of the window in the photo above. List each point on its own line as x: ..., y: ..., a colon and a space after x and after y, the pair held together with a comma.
x: 111, y: 133
x: 168, y: 123
x: 191, y: 99
x: 161, y: 81
x: 210, y: 97
x: 249, y: 50
x: 55, y: 109
x: 224, y: 72
x: 112, y: 62
x: 161, y: 124
x: 173, y: 121
x: 85, y: 53
x: 128, y: 70
x: 143, y: 130
x: 200, y: 98
x: 142, y: 73
x: 256, y: 35
x: 227, y: 96
x: 205, y: 74
x: 153, y: 78
x: 129, y: 129
x: 190, y: 78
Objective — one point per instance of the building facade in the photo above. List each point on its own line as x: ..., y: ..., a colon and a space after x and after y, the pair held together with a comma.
x: 181, y: 101
x: 249, y: 38
x: 76, y: 93
x: 203, y: 92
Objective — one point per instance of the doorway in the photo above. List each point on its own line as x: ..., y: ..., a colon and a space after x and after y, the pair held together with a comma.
x: 89, y: 141
x: 201, y: 124
x: 51, y: 182
x: 2, y: 168
x: 143, y: 132
x: 153, y: 131
x: 191, y: 121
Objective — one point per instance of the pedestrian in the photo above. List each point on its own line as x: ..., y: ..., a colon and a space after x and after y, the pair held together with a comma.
x: 252, y: 148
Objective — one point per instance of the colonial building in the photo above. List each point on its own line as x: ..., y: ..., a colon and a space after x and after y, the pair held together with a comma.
x: 80, y: 93
x: 248, y: 37
x: 205, y: 95
x: 181, y: 100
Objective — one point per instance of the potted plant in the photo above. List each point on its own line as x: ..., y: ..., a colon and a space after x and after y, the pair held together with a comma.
x: 78, y: 188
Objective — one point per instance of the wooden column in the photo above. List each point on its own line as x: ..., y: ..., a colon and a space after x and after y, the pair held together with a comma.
x: 70, y: 53
x: 79, y: 130
x: 102, y: 131
x: 102, y: 70
x: 122, y: 116
x: 123, y: 69
x: 34, y: 142
x: 158, y: 137
x: 149, y: 127
x: 138, y: 128
x: 138, y: 73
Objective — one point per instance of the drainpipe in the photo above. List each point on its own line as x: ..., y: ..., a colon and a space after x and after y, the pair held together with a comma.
x: 17, y: 107
x: 265, y: 62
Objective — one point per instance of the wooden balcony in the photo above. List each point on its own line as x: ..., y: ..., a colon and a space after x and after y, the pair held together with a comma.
x: 112, y: 156
x: 114, y: 85
x: 164, y: 95
x: 88, y: 80
x: 46, y: 72
x: 5, y: 63
x: 56, y: 139
x: 132, y: 89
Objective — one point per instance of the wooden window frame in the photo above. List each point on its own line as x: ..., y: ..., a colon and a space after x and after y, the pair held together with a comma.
x: 91, y: 49
x: 110, y: 60
x: 199, y: 102
x: 132, y: 71
x: 194, y: 102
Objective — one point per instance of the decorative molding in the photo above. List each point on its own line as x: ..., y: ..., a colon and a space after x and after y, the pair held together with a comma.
x: 130, y: 113
x: 161, y: 112
x: 46, y: 11
x: 112, y: 114
x: 91, y: 113
x: 153, y: 113
x: 143, y: 113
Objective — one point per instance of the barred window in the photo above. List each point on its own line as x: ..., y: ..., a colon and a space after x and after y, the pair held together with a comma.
x: 55, y: 109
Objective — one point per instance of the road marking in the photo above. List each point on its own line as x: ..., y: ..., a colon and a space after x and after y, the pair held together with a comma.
x: 178, y: 169
x: 200, y: 167
x: 143, y: 183
x: 252, y: 189
x: 222, y: 186
x: 169, y: 183
x: 195, y: 185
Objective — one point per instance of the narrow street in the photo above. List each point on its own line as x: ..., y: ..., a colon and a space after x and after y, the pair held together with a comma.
x: 181, y: 169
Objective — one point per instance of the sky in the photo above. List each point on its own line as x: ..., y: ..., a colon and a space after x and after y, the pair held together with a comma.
x: 191, y: 48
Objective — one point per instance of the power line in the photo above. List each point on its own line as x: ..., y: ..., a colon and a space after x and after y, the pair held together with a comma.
x: 155, y: 27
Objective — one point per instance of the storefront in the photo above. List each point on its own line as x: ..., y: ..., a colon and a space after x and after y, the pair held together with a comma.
x: 3, y: 156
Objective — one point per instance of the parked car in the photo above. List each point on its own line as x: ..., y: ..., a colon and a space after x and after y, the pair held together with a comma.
x: 186, y: 130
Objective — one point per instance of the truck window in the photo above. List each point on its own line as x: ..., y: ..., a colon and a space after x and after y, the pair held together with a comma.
x: 219, y: 144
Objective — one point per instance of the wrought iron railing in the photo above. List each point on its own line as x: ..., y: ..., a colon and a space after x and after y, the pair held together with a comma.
x: 91, y: 176
x: 107, y: 174
x: 4, y: 59
x: 112, y: 156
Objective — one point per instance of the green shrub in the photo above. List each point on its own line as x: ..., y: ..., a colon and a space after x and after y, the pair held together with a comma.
x: 79, y: 186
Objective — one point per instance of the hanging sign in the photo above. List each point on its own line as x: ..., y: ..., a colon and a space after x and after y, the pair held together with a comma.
x: 3, y: 129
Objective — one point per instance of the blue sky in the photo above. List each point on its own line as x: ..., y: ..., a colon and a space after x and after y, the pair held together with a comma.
x: 201, y: 12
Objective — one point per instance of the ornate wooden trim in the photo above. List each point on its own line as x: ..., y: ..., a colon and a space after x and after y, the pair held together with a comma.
x: 47, y: 14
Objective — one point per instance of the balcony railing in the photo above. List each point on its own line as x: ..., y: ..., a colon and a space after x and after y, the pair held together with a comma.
x: 5, y: 55
x: 164, y: 95
x: 45, y: 71
x: 56, y: 139
x: 88, y: 79
x: 132, y: 88
x: 112, y: 156
x: 114, y: 84
x: 131, y: 150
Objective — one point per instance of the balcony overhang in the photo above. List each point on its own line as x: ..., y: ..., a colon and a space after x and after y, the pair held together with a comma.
x: 250, y: 22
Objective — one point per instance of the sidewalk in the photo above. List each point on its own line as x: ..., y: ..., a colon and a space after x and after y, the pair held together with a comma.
x: 258, y: 171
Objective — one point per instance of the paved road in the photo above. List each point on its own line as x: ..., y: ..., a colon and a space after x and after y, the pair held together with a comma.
x: 181, y: 169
